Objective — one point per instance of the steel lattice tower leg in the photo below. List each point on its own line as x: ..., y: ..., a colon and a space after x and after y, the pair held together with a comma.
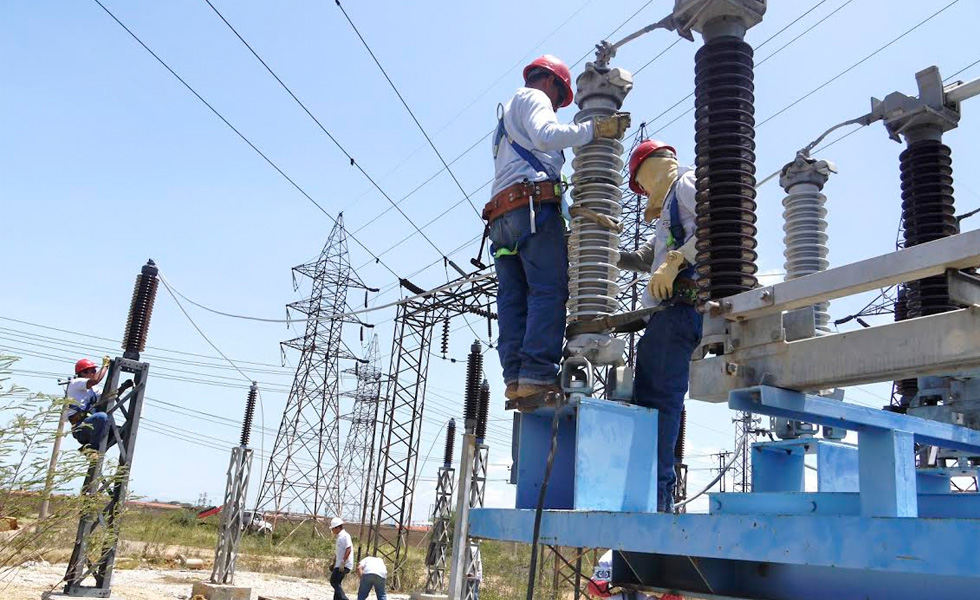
x: 233, y: 508
x: 357, y: 459
x: 394, y: 490
x: 437, y: 557
x: 304, y: 473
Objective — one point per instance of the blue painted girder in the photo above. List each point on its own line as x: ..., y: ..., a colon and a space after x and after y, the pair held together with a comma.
x: 936, y: 547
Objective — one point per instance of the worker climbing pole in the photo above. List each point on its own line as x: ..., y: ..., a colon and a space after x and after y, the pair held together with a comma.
x: 94, y: 552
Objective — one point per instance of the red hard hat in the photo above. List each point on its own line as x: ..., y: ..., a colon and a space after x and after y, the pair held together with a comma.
x: 640, y: 153
x: 556, y: 67
x: 83, y: 365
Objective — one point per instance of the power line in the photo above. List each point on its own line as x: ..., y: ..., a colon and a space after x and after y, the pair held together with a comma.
x: 761, y: 62
x: 972, y: 64
x: 505, y: 73
x: 350, y: 313
x: 474, y: 145
x: 114, y: 341
x: 69, y: 359
x: 21, y: 337
x: 858, y: 63
x: 353, y: 162
x: 613, y: 32
x: 409, y: 109
x: 659, y: 55
x: 237, y: 132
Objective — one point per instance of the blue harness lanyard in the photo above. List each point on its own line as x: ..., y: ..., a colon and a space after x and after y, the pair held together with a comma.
x: 677, y: 236
x: 537, y: 220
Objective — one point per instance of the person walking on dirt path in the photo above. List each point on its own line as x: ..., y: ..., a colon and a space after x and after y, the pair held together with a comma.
x: 343, y: 559
x: 374, y: 575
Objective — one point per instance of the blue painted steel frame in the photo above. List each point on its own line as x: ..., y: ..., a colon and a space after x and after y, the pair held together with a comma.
x: 789, y: 545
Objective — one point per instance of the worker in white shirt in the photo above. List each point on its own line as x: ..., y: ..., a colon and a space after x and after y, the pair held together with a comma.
x: 474, y: 575
x: 343, y: 559
x: 663, y: 353
x: 525, y: 224
x: 89, y: 426
x: 373, y: 574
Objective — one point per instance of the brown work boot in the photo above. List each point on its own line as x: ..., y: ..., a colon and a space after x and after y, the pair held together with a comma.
x: 511, y: 392
x: 529, y: 390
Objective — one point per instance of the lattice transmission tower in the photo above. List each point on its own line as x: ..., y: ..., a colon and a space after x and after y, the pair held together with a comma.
x: 304, y: 471
x: 358, y: 458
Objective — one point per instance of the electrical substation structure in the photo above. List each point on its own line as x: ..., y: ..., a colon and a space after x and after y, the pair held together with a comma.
x: 437, y: 555
x: 887, y: 519
x: 305, y: 470
x: 232, y: 521
x: 393, y: 490
x: 93, y: 556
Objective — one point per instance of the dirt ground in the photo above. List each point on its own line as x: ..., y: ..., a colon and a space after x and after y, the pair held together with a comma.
x: 29, y: 582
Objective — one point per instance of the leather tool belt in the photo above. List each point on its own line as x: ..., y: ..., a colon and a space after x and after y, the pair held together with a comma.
x: 520, y: 195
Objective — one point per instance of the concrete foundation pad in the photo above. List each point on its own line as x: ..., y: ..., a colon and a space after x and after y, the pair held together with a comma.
x: 215, y: 591
x: 60, y: 595
x: 429, y: 597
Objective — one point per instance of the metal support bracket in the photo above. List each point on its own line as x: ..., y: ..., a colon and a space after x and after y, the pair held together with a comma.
x: 964, y: 288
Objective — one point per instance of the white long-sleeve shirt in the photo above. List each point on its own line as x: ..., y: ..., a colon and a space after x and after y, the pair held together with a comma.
x: 684, y: 192
x: 532, y: 123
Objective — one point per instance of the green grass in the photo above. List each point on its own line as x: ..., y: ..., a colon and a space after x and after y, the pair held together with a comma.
x: 154, y: 538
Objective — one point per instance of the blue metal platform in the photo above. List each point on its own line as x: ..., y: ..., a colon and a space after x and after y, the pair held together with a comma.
x: 875, y: 529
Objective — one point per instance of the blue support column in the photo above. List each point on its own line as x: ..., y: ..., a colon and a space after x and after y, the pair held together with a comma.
x: 606, y: 457
x: 886, y: 459
x: 777, y: 467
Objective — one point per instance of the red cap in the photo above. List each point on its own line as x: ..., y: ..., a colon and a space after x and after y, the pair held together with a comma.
x: 640, y: 154
x: 556, y: 67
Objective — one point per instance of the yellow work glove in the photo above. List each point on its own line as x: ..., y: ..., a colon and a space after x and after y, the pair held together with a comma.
x: 655, y: 176
x: 105, y: 361
x: 613, y: 126
x: 661, y: 284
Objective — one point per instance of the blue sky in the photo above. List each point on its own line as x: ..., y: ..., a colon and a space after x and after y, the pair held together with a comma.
x: 106, y: 160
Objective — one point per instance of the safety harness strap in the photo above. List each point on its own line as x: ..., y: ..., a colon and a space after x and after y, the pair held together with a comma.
x: 540, y: 216
x: 677, y: 236
x: 521, y: 151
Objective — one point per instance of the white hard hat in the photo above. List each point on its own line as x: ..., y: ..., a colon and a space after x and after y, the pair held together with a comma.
x: 336, y: 522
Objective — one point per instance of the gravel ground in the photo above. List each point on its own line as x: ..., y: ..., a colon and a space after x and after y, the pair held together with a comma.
x: 29, y: 582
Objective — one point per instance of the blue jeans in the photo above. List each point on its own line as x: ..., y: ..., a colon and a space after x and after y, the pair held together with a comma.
x: 337, y: 583
x: 663, y: 363
x: 92, y: 430
x: 372, y: 581
x: 531, y: 294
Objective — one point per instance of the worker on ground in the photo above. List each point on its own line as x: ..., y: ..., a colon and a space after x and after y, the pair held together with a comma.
x: 474, y: 576
x: 525, y: 224
x: 343, y: 558
x: 373, y: 576
x: 663, y: 353
x: 600, y: 584
x: 89, y: 426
